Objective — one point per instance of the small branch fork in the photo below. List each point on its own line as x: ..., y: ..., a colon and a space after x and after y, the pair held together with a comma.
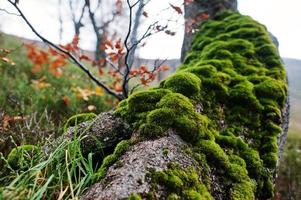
x: 130, y: 48
x: 10, y: 13
x: 119, y: 96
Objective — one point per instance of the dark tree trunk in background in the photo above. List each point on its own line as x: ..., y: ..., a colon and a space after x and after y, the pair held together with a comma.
x: 194, y: 10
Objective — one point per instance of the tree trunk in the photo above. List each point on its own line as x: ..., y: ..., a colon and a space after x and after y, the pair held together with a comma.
x: 194, y: 10
x: 213, y: 130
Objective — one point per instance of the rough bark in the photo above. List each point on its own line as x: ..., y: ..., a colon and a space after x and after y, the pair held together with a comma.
x: 194, y: 9
x: 128, y: 175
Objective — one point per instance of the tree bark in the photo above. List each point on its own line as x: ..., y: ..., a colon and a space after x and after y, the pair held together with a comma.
x: 194, y: 9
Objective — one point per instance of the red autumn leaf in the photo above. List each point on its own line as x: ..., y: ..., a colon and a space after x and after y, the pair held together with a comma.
x: 114, y: 57
x: 75, y: 41
x: 52, y: 51
x: 151, y: 76
x: 177, y: 9
x: 143, y: 81
x: 36, y: 69
x: 134, y: 73
x: 44, y: 55
x: 59, y: 62
x: 108, y: 43
x: 143, y: 69
x: 118, y: 88
x: 66, y: 100
x: 6, y: 121
x: 164, y: 68
x: 100, y: 71
x: 118, y: 44
x: 57, y: 72
x: 84, y: 57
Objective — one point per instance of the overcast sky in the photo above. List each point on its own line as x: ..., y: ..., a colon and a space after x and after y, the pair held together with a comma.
x: 282, y: 17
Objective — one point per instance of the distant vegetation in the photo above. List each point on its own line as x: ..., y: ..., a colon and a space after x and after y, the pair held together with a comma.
x: 34, y: 104
x: 289, y: 180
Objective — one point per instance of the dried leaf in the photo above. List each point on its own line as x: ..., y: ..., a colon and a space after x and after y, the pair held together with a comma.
x: 66, y: 100
x: 145, y: 14
x: 177, y: 9
x: 91, y: 107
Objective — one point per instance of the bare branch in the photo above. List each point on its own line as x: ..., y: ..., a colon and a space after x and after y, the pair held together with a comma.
x: 77, y: 22
x: 128, y: 69
x: 70, y: 55
x: 10, y: 13
x: 60, y: 20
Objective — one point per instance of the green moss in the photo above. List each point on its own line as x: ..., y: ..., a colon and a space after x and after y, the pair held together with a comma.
x: 237, y: 173
x: 122, y: 108
x: 108, y: 161
x: 22, y: 157
x: 272, y: 89
x: 226, y: 101
x: 269, y: 144
x: 267, y: 50
x: 134, y: 197
x: 179, y: 182
x: 237, y: 160
x: 77, y: 119
x: 214, y: 153
x: 188, y: 129
x: 185, y: 83
x: 161, y: 117
x: 253, y: 161
x: 272, y: 113
x: 243, y: 191
x: 202, y: 70
x: 242, y: 93
x: 178, y: 103
x: 165, y: 151
x: 272, y: 129
x: 173, y: 197
x: 270, y: 160
x: 151, y: 131
x: 146, y: 100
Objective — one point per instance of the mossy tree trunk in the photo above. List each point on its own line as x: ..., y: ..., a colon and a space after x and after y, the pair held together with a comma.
x: 212, y: 130
x: 193, y: 17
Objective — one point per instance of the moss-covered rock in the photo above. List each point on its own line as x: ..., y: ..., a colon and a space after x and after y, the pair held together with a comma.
x: 180, y: 183
x: 226, y: 101
x: 121, y: 148
x: 185, y: 83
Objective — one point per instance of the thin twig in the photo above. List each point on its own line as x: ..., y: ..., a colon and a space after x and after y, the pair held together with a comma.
x: 70, y: 55
x: 10, y: 13
x: 128, y: 68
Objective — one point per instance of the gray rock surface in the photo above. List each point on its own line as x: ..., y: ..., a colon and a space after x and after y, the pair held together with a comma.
x: 127, y: 176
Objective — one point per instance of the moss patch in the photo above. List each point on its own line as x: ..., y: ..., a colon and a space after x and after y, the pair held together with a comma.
x: 108, y: 161
x: 226, y: 101
x: 179, y: 183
